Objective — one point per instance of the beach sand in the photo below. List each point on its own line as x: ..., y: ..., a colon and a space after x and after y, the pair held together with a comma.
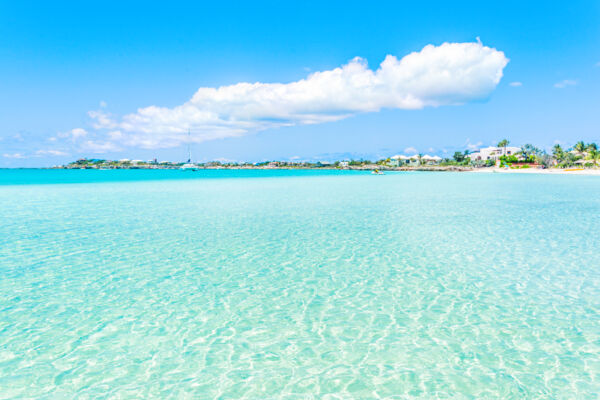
x: 550, y: 171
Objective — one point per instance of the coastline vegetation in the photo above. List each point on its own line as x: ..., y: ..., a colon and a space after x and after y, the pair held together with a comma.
x: 581, y: 155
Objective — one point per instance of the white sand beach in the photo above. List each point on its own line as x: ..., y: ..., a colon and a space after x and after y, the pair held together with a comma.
x: 550, y: 171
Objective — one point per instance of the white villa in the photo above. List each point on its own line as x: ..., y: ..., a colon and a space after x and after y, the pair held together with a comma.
x: 493, y: 153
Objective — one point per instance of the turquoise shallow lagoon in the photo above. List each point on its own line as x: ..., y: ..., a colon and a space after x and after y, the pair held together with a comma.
x: 298, y: 285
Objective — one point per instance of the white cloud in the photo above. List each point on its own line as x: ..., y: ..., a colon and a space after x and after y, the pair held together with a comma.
x: 103, y: 104
x: 516, y: 84
x: 449, y: 74
x: 102, y: 120
x: 473, y: 146
x: 564, y: 83
x: 98, y: 147
x: 13, y: 155
x: 51, y: 153
x: 410, y: 150
x: 73, y: 134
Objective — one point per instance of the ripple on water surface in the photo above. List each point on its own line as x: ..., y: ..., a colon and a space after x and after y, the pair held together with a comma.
x: 342, y: 286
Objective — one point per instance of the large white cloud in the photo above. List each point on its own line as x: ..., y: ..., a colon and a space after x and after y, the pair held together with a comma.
x: 449, y: 74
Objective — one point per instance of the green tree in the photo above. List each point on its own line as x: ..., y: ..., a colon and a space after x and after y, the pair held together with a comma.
x: 459, y: 157
x: 593, y: 155
x: 503, y: 143
x: 530, y: 152
x: 558, y: 153
x: 592, y: 147
x: 580, y: 147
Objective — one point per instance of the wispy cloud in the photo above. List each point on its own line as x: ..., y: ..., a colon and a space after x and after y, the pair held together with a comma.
x: 516, y: 84
x: 51, y: 153
x: 98, y: 147
x: 14, y: 155
x: 564, y: 83
x: 73, y: 134
x: 472, y: 146
x: 410, y: 150
x: 449, y: 74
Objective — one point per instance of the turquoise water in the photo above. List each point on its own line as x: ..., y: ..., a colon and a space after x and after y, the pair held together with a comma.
x: 298, y: 285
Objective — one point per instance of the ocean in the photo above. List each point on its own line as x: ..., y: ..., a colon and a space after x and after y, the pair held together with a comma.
x: 277, y: 284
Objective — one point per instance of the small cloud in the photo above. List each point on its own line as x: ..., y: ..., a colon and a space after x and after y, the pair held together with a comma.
x: 102, y: 120
x: 73, y: 134
x: 13, y: 155
x: 78, y: 132
x: 473, y: 146
x: 114, y: 135
x: 50, y: 153
x: 103, y: 104
x: 98, y: 147
x: 410, y: 150
x: 431, y: 149
x: 516, y: 84
x: 563, y: 84
x: 598, y: 64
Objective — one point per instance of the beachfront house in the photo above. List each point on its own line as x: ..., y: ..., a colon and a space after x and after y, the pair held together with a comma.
x: 398, y: 161
x: 493, y: 153
x: 413, y: 160
x: 430, y: 160
x: 344, y: 164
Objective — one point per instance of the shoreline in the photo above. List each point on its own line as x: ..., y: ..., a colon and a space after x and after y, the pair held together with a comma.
x: 547, y: 171
x: 451, y: 168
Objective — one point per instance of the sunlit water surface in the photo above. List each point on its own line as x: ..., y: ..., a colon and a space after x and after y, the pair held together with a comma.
x: 298, y: 285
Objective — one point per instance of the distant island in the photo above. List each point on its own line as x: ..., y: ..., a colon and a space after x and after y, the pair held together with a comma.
x: 579, y: 157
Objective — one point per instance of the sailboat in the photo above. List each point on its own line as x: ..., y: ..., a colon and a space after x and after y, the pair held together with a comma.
x: 189, y: 166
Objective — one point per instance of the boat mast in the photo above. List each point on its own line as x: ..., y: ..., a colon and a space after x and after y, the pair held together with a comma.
x: 189, y: 149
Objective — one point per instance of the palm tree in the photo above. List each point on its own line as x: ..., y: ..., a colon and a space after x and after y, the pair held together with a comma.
x: 419, y: 157
x: 593, y: 155
x: 580, y: 147
x: 558, y: 153
x: 503, y: 143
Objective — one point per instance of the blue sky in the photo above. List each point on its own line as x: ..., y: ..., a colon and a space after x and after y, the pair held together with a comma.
x: 61, y: 60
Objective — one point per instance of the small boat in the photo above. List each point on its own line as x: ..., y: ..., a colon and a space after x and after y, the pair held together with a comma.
x: 189, y: 167
x: 377, y: 172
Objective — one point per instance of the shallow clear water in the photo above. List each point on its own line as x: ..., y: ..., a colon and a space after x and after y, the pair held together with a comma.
x: 299, y: 285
